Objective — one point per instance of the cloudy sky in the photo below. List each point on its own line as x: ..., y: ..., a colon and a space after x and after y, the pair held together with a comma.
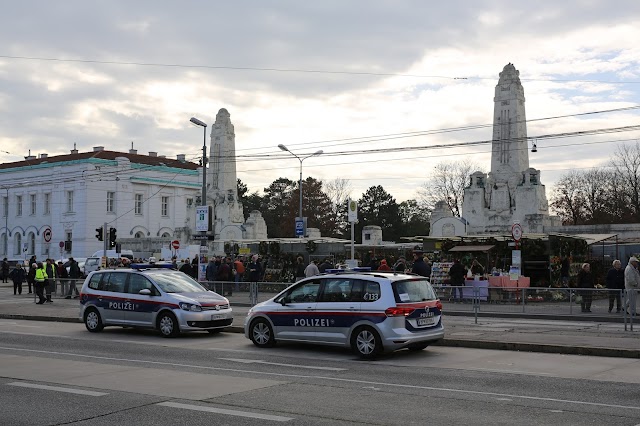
x: 341, y: 76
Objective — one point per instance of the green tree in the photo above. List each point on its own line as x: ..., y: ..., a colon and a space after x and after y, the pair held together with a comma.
x: 316, y: 205
x: 276, y: 205
x: 250, y: 201
x: 378, y: 207
x: 415, y: 219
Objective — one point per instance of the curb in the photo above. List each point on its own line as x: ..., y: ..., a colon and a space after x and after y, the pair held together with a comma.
x: 456, y: 343
x: 538, y: 347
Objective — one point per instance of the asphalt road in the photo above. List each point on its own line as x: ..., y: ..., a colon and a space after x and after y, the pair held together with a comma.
x: 58, y: 373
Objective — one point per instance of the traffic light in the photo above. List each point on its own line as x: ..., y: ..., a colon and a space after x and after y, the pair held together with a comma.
x: 112, y: 237
x: 99, y: 234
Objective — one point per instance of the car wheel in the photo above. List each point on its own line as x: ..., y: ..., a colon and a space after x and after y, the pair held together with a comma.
x: 92, y: 321
x: 214, y: 331
x: 168, y: 325
x: 366, y: 342
x: 261, y: 333
x: 418, y: 347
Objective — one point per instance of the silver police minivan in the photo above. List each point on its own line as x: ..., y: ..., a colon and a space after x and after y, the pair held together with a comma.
x: 371, y: 312
x: 167, y: 300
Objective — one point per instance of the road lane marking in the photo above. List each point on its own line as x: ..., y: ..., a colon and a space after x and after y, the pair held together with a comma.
x: 498, y: 370
x: 224, y: 411
x: 258, y: 361
x: 57, y: 389
x: 329, y: 378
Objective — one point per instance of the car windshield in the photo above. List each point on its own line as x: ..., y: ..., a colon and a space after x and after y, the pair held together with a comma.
x: 410, y: 291
x: 176, y: 282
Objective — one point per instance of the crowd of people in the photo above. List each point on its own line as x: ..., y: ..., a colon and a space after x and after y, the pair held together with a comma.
x: 42, y: 277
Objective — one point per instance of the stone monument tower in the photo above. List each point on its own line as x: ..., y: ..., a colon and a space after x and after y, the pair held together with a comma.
x: 512, y: 192
x: 222, y: 193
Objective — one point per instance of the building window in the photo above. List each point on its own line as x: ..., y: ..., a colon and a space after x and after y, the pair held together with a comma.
x: 367, y: 237
x: 138, y: 204
x: 69, y: 201
x: 111, y: 200
x: 32, y: 244
x: 165, y: 206
x: 139, y: 234
x: 18, y: 206
x: 33, y: 199
x: 17, y: 247
x: 4, y: 244
x: 166, y: 235
x: 5, y: 208
x: 47, y: 203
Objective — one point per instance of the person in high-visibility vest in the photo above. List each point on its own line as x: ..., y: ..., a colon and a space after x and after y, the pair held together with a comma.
x: 40, y: 281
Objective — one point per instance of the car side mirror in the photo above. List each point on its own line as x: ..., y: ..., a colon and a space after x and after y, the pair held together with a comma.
x: 284, y: 301
x: 145, y: 292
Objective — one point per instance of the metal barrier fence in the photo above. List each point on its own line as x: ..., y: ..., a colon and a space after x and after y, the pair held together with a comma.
x: 541, y: 301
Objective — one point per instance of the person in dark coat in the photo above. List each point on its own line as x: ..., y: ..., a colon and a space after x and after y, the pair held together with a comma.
x: 419, y: 265
x: 186, y: 268
x: 564, y: 271
x: 31, y: 276
x: 456, y: 274
x: 75, y: 274
x: 615, y: 284
x: 585, y: 280
x: 300, y: 267
x: 255, y: 270
x: 194, y: 268
x: 17, y: 276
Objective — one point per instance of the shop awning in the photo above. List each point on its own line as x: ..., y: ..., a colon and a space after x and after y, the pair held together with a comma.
x: 471, y: 248
x: 596, y: 238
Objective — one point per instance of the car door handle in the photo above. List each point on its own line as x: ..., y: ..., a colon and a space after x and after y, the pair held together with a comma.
x: 352, y: 308
x: 309, y: 308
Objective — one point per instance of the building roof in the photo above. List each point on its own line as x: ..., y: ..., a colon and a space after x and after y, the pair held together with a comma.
x: 103, y: 155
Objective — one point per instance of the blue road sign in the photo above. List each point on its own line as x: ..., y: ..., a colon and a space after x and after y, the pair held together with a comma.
x: 299, y: 227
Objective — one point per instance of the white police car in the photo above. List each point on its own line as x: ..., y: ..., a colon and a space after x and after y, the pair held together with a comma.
x: 164, y: 299
x: 371, y: 312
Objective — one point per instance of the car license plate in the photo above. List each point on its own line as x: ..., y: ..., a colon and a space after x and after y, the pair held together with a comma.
x: 426, y: 321
x: 217, y: 317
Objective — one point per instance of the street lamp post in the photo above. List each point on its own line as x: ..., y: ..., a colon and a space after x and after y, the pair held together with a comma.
x: 204, y: 158
x: 284, y: 148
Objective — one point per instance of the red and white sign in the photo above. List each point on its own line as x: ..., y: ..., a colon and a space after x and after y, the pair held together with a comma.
x: 46, y: 235
x: 516, y: 231
x: 175, y: 244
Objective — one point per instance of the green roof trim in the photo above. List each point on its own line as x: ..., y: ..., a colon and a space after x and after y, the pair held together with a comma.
x: 61, y: 163
x: 166, y: 182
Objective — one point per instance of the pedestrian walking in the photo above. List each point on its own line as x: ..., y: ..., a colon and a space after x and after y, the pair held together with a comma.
x: 18, y: 276
x: 51, y: 279
x: 311, y: 269
x: 238, y: 267
x: 75, y: 274
x: 585, y: 281
x: 186, y: 268
x: 615, y: 284
x: 40, y: 281
x: 4, y: 271
x: 255, y: 270
x: 631, y: 285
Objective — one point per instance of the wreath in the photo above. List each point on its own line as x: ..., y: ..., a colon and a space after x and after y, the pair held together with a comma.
x: 262, y: 247
x: 311, y: 246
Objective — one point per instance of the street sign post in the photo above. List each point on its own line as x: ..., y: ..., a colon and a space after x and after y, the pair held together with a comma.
x: 202, y: 237
x: 203, y: 219
x: 175, y: 244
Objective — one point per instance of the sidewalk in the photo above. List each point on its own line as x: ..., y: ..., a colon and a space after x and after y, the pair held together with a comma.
x: 599, y: 335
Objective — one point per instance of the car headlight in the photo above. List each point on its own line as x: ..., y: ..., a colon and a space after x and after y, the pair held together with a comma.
x: 190, y: 307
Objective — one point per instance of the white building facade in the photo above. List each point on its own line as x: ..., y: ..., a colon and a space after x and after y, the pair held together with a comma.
x: 51, y: 206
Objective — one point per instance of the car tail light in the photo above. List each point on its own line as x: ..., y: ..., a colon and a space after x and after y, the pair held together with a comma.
x: 439, y: 305
x: 398, y: 312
